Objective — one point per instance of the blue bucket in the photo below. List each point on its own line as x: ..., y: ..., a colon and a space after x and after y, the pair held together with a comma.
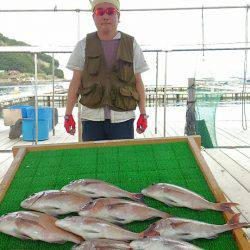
x: 29, y: 130
x: 44, y: 113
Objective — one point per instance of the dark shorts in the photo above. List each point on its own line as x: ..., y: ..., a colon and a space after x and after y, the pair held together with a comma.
x: 105, y: 130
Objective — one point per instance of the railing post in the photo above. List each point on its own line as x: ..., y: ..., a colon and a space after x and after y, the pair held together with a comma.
x: 53, y: 93
x: 156, y: 91
x: 36, y: 99
x: 165, y: 92
x: 190, y: 113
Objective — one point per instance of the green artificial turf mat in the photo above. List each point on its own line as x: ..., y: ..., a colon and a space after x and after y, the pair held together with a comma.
x: 129, y: 167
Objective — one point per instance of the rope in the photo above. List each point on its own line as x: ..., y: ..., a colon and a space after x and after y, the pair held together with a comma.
x: 243, y: 102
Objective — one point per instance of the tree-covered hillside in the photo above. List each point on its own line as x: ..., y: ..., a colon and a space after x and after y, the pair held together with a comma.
x: 24, y: 62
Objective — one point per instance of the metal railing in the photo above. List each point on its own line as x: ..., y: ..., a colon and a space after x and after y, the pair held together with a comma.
x: 55, y: 9
x: 35, y: 50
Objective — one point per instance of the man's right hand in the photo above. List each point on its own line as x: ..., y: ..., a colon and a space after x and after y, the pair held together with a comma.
x: 69, y: 124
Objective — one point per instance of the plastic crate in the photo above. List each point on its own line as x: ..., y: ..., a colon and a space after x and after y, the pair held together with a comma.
x: 24, y: 109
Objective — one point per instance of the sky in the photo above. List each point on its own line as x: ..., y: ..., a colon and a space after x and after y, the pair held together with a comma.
x: 155, y: 30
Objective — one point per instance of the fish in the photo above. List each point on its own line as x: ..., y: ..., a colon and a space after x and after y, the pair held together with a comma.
x: 159, y: 243
x: 120, y: 211
x: 102, y: 244
x: 29, y: 225
x: 180, y: 197
x: 93, y: 228
x: 55, y: 202
x: 186, y: 229
x: 97, y: 189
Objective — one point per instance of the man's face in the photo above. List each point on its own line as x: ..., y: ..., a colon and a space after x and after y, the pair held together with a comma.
x: 106, y: 23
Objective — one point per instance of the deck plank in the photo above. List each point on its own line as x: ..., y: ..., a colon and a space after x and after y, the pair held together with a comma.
x: 238, y: 157
x: 230, y: 186
x: 4, y: 166
x: 232, y: 167
x: 234, y: 128
x: 235, y: 139
x: 244, y: 151
x: 223, y: 139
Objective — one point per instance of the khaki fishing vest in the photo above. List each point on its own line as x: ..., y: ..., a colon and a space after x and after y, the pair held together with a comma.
x: 103, y: 87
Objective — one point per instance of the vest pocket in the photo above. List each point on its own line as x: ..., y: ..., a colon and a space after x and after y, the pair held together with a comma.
x: 127, y: 99
x: 125, y: 70
x: 93, y: 65
x: 92, y: 96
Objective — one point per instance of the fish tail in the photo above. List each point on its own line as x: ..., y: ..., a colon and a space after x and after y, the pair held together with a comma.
x: 150, y: 232
x: 164, y: 215
x: 225, y: 206
x: 138, y: 197
x: 234, y: 222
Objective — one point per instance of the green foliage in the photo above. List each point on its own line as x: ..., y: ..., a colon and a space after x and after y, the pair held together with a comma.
x: 11, y: 42
x: 17, y: 61
x: 24, y: 62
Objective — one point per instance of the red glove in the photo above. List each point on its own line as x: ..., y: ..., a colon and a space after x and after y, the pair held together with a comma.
x: 69, y: 124
x: 142, y: 123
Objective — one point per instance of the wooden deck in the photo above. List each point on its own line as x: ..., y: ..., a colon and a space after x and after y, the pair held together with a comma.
x: 229, y: 163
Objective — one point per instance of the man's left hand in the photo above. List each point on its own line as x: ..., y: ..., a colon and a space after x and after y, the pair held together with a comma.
x: 141, y: 123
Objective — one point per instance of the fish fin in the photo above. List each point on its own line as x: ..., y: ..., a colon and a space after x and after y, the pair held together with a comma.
x: 60, y: 241
x: 149, y: 232
x: 76, y: 246
x: 234, y: 222
x: 23, y: 236
x: 138, y: 197
x: 212, y: 236
x: 185, y: 235
x: 37, y: 199
x: 88, y: 182
x: 19, y: 234
x: 114, y: 206
x: 52, y: 210
x: 89, y: 192
x: 171, y: 203
x: 91, y: 231
x: 225, y: 206
x: 165, y: 215
x: 178, y: 224
x: 234, y: 219
x: 87, y: 206
x: 117, y: 220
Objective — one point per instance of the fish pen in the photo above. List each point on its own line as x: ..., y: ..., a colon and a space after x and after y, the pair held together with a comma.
x: 172, y: 160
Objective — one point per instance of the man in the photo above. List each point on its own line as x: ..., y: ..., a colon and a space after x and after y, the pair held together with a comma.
x: 107, y: 67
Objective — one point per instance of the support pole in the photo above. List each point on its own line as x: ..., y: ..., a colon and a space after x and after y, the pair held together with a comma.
x: 190, y: 113
x: 53, y: 93
x: 156, y: 91
x: 36, y: 99
x: 165, y: 93
x: 79, y: 105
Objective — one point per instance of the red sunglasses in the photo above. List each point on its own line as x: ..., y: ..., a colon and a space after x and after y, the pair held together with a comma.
x: 109, y: 11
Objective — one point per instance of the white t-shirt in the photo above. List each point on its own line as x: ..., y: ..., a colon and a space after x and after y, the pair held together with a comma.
x: 76, y: 62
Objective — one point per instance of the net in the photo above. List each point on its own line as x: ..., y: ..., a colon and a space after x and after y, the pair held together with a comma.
x: 205, y: 108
